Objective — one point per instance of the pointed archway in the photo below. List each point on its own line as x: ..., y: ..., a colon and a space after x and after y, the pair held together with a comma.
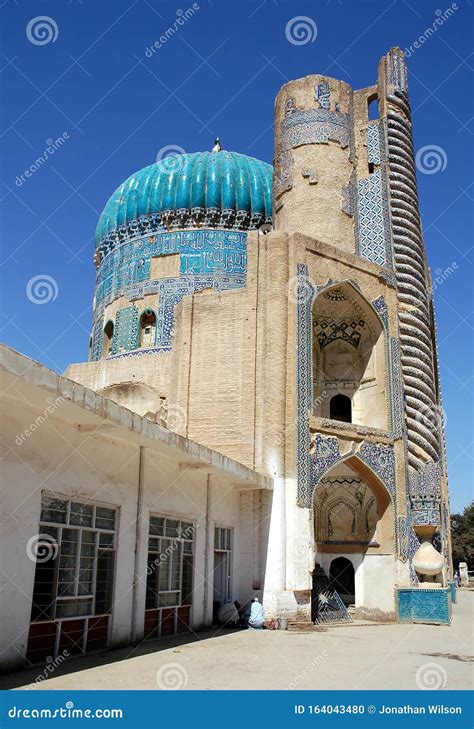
x: 354, y: 533
x: 348, y: 354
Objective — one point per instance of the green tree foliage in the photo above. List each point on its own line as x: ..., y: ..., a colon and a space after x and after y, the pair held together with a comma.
x: 462, y: 535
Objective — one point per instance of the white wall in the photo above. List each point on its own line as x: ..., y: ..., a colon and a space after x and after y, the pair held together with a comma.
x: 378, y: 583
x: 58, y: 458
x: 374, y: 580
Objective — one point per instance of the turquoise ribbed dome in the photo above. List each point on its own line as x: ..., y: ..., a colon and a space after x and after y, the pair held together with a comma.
x: 205, y: 189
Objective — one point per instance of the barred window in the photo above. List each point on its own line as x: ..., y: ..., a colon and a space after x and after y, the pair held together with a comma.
x: 222, y: 564
x: 170, y: 562
x: 75, y: 559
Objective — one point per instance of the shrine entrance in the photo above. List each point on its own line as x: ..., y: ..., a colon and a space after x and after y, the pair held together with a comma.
x: 353, y: 527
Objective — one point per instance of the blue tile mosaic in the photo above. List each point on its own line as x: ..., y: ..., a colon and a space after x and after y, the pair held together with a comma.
x: 201, y: 251
x: 397, y: 74
x: 373, y: 144
x: 305, y: 294
x: 214, y: 259
x: 323, y: 94
x: 307, y: 126
x: 380, y: 306
x: 424, y: 605
x: 402, y: 537
x: 381, y: 459
x: 125, y: 330
x: 372, y: 220
x: 325, y: 455
x: 397, y: 400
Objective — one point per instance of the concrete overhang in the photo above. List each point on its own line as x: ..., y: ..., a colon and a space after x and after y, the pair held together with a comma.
x: 39, y: 387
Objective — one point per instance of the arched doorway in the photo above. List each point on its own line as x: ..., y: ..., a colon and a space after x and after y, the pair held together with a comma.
x: 354, y: 536
x: 342, y: 579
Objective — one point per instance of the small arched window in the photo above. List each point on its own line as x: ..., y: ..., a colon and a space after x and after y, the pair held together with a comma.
x: 373, y: 107
x: 107, y: 339
x: 147, y: 329
x: 340, y: 408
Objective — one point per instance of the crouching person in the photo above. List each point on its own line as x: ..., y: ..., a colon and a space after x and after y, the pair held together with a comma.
x: 256, y: 619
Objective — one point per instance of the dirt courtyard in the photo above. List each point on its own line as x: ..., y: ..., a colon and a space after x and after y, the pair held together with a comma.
x: 342, y: 657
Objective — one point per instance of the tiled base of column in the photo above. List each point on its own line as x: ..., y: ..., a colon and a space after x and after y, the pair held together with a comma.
x: 423, y: 605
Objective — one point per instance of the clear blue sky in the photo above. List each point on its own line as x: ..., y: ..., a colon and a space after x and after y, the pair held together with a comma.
x: 217, y: 76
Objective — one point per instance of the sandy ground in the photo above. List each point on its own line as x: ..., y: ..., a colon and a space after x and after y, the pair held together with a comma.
x: 353, y: 657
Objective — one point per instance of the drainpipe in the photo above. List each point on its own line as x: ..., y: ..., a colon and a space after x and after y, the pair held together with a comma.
x: 205, y: 601
x: 138, y: 536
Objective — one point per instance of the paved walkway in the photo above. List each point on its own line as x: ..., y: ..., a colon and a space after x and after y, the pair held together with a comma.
x: 350, y: 657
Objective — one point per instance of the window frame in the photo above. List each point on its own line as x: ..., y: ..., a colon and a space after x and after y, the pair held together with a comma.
x: 140, y: 329
x: 107, y: 342
x: 58, y: 600
x: 156, y: 554
x: 229, y: 552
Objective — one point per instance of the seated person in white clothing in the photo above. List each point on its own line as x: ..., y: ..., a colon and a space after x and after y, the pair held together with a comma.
x: 256, y: 619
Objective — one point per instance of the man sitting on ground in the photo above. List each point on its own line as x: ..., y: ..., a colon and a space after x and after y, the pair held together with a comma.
x: 256, y: 615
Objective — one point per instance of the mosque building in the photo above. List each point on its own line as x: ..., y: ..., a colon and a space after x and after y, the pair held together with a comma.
x: 260, y: 413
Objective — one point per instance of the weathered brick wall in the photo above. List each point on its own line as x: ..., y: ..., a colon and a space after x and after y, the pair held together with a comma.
x: 151, y: 369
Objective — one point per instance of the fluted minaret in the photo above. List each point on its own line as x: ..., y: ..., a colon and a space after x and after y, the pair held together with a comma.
x: 412, y: 273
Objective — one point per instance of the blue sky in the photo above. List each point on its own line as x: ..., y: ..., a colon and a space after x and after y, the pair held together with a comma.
x: 115, y: 106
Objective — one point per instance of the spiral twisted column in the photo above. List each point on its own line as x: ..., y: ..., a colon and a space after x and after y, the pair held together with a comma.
x: 416, y: 336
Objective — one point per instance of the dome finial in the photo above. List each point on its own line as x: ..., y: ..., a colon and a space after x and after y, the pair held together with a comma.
x: 217, y: 145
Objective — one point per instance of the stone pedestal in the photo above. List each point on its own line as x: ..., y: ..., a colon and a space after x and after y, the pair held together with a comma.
x: 463, y: 575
